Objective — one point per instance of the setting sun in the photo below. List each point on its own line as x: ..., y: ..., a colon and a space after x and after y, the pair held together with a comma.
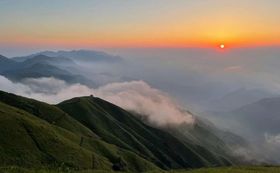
x: 222, y: 46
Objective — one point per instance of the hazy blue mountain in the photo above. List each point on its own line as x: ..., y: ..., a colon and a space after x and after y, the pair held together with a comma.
x: 40, y: 70
x: 261, y: 116
x: 6, y: 63
x: 49, y: 60
x: 42, y: 66
x: 4, y: 59
x: 238, y: 98
x: 72, y: 63
x: 76, y: 55
x: 252, y: 120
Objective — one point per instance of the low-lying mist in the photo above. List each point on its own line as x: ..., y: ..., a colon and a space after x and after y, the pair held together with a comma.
x: 137, y: 96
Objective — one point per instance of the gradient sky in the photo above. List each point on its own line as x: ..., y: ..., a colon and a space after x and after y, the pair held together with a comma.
x: 138, y: 23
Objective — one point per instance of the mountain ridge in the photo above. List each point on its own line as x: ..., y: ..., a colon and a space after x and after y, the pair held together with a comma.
x: 119, y: 139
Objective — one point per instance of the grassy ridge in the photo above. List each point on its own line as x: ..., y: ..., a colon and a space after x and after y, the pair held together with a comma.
x: 49, y: 113
x: 89, y: 133
x: 34, y: 141
x: 121, y: 128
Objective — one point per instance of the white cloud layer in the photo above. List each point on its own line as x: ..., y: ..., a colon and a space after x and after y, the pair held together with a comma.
x: 136, y: 96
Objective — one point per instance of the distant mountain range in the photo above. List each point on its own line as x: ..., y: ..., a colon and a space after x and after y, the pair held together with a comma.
x: 90, y: 133
x: 39, y: 66
x: 262, y: 116
x: 258, y: 122
x: 259, y: 117
x: 61, y: 65
x: 76, y: 55
x: 238, y: 98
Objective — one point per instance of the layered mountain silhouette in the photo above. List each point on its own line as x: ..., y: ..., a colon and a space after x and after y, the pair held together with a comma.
x: 42, y: 66
x: 63, y: 65
x: 76, y: 55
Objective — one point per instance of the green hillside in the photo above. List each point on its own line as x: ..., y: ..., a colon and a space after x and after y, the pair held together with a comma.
x: 49, y: 113
x: 31, y: 142
x: 35, y: 141
x: 89, y: 133
x: 119, y: 127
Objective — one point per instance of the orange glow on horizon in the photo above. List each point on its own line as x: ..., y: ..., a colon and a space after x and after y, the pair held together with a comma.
x: 130, y: 43
x: 202, y: 24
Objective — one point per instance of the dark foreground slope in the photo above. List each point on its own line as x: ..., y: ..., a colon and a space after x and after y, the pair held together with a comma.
x: 89, y: 133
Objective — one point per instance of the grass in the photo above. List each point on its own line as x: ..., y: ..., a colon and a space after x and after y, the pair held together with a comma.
x: 30, y: 139
x: 248, y: 169
x: 130, y: 133
x: 87, y: 134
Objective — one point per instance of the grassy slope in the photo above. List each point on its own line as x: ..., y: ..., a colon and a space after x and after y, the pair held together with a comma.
x: 119, y: 127
x: 46, y: 112
x: 30, y: 142
x: 52, y: 138
x: 39, y: 137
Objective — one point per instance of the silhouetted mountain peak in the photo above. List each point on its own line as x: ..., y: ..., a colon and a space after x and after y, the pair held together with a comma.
x: 1, y: 56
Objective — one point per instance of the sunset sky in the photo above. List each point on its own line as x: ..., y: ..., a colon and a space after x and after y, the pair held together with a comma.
x: 139, y: 23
